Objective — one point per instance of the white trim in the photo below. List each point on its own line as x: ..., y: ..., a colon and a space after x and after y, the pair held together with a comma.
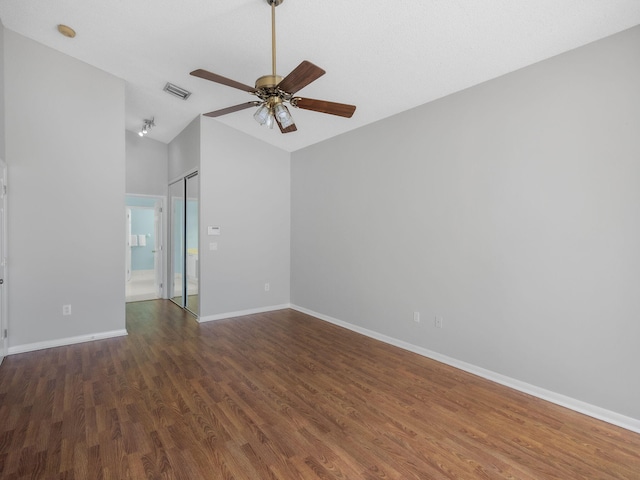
x: 61, y: 342
x: 145, y: 195
x: 4, y: 297
x: 188, y: 173
x: 579, y: 406
x: 242, y: 313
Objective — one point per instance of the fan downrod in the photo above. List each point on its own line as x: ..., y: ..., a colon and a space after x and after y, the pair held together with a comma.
x: 274, y: 3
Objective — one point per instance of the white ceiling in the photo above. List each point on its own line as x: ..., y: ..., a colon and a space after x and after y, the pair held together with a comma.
x: 383, y: 56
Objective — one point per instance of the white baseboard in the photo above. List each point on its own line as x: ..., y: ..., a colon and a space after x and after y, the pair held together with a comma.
x: 603, y: 414
x: 61, y: 342
x: 242, y: 313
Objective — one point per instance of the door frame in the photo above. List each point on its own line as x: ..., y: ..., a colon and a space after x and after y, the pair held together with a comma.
x: 160, y: 234
x: 4, y: 306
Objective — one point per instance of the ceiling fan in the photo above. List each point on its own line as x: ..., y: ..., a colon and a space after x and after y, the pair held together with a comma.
x: 273, y: 91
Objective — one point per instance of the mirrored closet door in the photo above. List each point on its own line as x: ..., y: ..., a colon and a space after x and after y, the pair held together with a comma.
x: 183, y: 252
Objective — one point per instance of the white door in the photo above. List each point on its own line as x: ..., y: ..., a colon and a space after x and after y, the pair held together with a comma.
x: 158, y: 252
x: 3, y: 261
x: 127, y: 242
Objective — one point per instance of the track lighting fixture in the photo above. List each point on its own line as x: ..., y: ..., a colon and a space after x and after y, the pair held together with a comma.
x: 146, y: 127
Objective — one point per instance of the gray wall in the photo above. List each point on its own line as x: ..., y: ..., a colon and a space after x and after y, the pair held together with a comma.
x: 147, y: 170
x: 184, y: 151
x: 245, y: 190
x: 509, y: 209
x: 67, y: 179
x: 2, y: 93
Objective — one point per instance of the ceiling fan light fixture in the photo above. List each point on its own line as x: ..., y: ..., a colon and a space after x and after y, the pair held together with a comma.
x: 283, y: 115
x: 273, y: 90
x: 262, y: 114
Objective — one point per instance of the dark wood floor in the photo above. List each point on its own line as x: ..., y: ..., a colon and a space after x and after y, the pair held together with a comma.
x: 280, y: 396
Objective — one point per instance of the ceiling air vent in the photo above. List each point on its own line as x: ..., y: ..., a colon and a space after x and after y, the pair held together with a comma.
x: 176, y: 91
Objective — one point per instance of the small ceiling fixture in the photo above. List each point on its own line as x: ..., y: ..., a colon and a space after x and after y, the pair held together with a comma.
x: 66, y: 31
x: 146, y: 127
x: 273, y: 91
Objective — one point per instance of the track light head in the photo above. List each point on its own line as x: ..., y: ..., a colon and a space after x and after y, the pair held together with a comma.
x: 146, y: 126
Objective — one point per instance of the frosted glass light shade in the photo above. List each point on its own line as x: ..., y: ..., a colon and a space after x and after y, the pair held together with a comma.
x: 262, y: 114
x: 284, y: 117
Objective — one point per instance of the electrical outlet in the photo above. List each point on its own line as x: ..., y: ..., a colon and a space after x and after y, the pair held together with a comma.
x: 66, y: 310
x: 416, y: 317
x: 267, y: 287
x: 438, y: 322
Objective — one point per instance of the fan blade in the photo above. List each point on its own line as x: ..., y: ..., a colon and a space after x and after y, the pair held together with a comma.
x: 222, y: 80
x: 235, y: 108
x: 289, y: 129
x: 300, y: 77
x: 322, y: 106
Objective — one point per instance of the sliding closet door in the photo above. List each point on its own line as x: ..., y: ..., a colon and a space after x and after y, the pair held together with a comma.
x: 176, y: 248
x: 191, y: 241
x: 184, y: 254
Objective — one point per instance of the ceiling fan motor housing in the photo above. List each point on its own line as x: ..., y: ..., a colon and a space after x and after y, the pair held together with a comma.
x: 268, y: 81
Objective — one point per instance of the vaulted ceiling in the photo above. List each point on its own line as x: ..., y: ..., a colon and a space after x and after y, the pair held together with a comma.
x: 383, y: 56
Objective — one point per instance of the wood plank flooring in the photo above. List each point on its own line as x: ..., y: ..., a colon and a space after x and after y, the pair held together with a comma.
x: 280, y: 396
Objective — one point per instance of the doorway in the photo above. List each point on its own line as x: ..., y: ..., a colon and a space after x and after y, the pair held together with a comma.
x: 144, y: 248
x: 184, y: 263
